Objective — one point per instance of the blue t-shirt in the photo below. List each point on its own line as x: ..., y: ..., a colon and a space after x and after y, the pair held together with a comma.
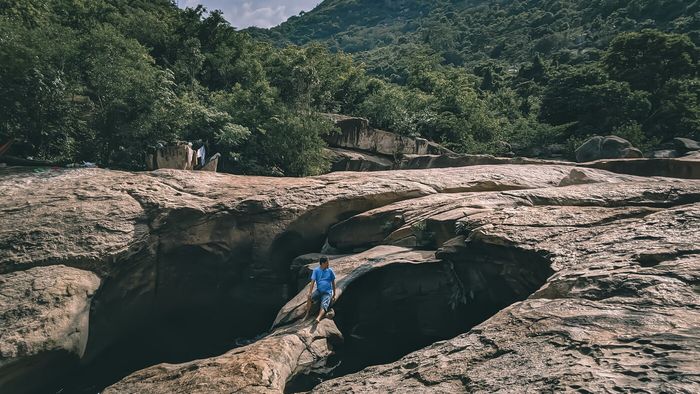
x: 324, y: 279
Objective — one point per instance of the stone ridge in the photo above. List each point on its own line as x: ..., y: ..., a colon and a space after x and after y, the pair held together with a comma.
x: 139, y: 237
x: 619, y: 314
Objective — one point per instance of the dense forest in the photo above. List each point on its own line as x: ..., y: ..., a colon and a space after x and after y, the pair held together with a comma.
x: 102, y: 80
x: 544, y: 71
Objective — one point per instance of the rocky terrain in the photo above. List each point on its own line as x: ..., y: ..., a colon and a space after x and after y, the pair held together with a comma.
x: 480, y: 278
x: 356, y: 146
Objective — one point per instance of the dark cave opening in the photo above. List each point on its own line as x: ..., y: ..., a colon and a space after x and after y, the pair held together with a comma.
x: 202, y: 305
x: 176, y: 338
x: 398, y: 309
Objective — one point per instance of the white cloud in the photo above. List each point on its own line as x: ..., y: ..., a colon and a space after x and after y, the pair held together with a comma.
x: 260, y: 13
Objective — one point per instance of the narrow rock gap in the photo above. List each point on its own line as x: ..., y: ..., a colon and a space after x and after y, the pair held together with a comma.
x: 182, y: 305
x: 395, y: 310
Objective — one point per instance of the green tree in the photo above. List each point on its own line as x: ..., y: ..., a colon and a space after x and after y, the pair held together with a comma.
x: 128, y: 91
x: 650, y: 58
x: 289, y: 144
x: 678, y: 111
x: 39, y: 105
x: 587, y: 97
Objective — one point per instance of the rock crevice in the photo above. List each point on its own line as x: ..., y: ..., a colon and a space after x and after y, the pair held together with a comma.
x: 520, y: 266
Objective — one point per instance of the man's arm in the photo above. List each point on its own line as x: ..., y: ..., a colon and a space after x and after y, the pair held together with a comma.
x: 308, y: 299
x: 333, y: 290
x: 313, y: 283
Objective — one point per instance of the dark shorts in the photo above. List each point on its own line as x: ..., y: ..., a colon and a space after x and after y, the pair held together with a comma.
x: 325, y: 299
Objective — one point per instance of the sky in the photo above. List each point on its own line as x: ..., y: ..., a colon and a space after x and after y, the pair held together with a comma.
x: 260, y: 13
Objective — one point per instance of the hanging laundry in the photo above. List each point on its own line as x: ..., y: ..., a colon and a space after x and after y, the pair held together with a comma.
x: 201, y: 156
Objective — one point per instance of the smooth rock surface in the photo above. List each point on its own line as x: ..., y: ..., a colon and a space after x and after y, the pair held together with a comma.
x: 347, y: 160
x: 356, y: 134
x: 609, y: 263
x: 687, y: 167
x: 295, y: 346
x: 620, y: 312
x: 685, y: 145
x: 606, y: 245
x: 44, y: 324
x: 610, y: 147
x: 178, y: 243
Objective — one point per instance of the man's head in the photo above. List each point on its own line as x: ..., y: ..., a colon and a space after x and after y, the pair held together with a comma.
x: 323, y: 261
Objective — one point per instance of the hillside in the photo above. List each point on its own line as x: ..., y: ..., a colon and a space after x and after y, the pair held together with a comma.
x: 103, y: 81
x: 466, y: 32
x: 553, y: 71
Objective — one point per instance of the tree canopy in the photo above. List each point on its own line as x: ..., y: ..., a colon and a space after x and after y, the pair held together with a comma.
x: 102, y: 80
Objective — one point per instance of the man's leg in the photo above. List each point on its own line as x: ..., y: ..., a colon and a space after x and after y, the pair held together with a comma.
x: 309, y: 302
x: 325, y: 304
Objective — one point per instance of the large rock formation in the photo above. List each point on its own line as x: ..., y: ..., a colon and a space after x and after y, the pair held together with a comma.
x: 620, y: 312
x: 684, y: 167
x: 348, y: 160
x: 356, y: 134
x: 44, y: 323
x: 610, y: 147
x: 180, y: 156
x: 685, y: 145
x: 429, y: 254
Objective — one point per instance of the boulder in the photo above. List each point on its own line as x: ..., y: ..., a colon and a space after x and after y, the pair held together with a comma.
x: 212, y: 164
x: 684, y: 145
x: 664, y: 154
x: 44, y: 325
x: 463, y: 160
x: 347, y: 160
x: 610, y: 147
x: 694, y: 156
x: 683, y: 167
x: 178, y: 156
x: 356, y: 134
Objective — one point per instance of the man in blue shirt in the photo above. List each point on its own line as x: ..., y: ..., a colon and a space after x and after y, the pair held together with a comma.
x: 323, y: 278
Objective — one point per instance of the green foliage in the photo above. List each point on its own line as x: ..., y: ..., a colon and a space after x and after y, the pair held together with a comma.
x: 393, y: 108
x: 588, y: 97
x: 581, y: 67
x: 289, y: 144
x: 37, y: 101
x: 467, y: 32
x: 678, y: 110
x: 650, y: 58
x: 101, y: 80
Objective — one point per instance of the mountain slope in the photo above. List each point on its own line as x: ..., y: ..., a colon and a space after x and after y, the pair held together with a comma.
x: 476, y: 30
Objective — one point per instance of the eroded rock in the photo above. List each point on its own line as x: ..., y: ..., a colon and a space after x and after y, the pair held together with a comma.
x: 296, y: 346
x: 585, y: 242
x: 610, y: 147
x: 347, y: 160
x: 44, y: 324
x: 619, y: 313
x: 172, y: 244
x: 356, y: 134
x: 684, y: 145
x: 686, y: 167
